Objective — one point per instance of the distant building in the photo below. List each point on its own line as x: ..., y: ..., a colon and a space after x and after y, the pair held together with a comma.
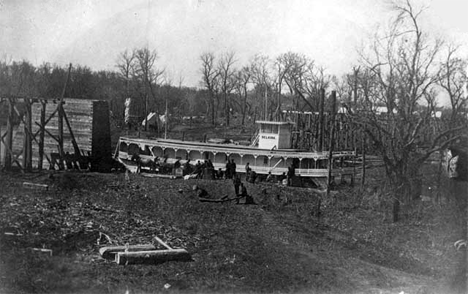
x: 152, y: 121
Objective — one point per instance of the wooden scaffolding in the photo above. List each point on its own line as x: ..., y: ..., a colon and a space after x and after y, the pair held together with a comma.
x: 63, y: 133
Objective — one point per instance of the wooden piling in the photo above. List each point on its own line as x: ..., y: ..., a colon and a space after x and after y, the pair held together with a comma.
x: 331, y: 143
x: 355, y: 88
x: 27, y: 160
x: 321, y: 123
x: 60, y: 127
x: 72, y: 135
x: 363, y: 147
x: 1, y: 140
x: 60, y: 114
x: 9, y: 135
x: 41, y: 134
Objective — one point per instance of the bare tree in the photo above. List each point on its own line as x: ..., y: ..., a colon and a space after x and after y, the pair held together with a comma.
x: 226, y: 79
x: 315, y: 79
x: 146, y: 73
x: 210, y: 80
x: 295, y: 66
x: 453, y: 79
x: 261, y: 77
x: 403, y: 67
x: 145, y: 69
x: 125, y: 65
x: 242, y: 79
x: 347, y: 87
x: 282, y: 68
x: 303, y: 78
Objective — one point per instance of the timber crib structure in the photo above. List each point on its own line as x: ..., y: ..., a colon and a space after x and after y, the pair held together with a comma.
x: 51, y: 133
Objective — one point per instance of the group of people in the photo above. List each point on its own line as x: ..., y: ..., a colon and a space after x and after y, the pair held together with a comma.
x: 285, y: 179
x: 201, y: 168
x: 207, y: 166
x: 241, y: 191
x: 251, y: 176
x: 152, y: 164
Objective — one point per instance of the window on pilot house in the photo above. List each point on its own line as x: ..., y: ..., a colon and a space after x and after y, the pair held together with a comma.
x: 270, y: 129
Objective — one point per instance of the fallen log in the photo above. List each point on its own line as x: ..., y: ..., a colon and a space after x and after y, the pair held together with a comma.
x: 109, y: 252
x: 12, y: 234
x: 224, y: 199
x: 201, y: 199
x: 162, y: 176
x: 43, y: 250
x: 35, y: 186
x: 152, y: 257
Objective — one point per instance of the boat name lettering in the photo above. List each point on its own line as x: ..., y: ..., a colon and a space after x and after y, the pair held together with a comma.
x: 269, y: 137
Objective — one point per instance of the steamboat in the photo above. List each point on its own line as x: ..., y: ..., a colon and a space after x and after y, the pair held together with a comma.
x: 270, y: 152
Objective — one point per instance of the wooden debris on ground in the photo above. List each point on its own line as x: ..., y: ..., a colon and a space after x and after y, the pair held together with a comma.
x: 247, y: 199
x: 161, y: 176
x: 8, y: 234
x: 222, y: 199
x: 109, y: 252
x: 145, y: 254
x: 152, y: 257
x: 43, y: 250
x: 35, y: 186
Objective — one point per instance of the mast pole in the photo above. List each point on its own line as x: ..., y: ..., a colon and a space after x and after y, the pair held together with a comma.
x: 165, y: 123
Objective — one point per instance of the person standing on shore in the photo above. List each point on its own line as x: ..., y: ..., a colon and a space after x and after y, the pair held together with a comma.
x: 236, y: 181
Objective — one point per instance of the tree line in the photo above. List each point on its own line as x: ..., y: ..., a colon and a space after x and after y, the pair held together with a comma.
x: 148, y: 88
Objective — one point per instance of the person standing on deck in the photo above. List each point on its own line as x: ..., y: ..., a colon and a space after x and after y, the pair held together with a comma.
x: 247, y: 171
x: 291, y: 173
x: 228, y: 169
x: 187, y: 167
x: 233, y: 168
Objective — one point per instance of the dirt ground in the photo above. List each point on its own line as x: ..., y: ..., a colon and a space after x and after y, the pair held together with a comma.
x: 50, y: 237
x: 283, y: 244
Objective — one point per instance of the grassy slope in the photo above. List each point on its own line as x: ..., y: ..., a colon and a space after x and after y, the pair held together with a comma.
x: 275, y: 246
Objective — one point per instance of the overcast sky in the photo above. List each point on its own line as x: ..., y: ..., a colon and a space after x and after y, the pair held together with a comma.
x: 93, y: 33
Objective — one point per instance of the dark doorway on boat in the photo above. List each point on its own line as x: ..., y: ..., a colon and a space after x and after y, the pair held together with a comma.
x: 295, y: 162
